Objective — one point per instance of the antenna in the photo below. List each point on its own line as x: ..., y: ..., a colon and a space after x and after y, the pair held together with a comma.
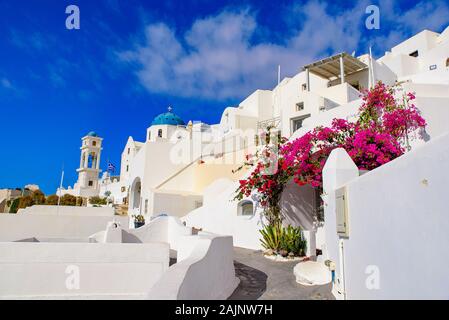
x: 279, y: 74
x: 60, y: 186
x: 371, y: 67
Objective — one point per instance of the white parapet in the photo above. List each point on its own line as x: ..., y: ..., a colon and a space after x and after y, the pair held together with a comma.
x: 206, y: 274
x: 80, y: 270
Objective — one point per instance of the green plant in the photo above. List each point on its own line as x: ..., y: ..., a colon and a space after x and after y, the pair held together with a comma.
x: 293, y: 241
x: 271, y: 236
x: 68, y: 200
x: 280, y: 239
x: 26, y: 201
x: 139, y: 218
x: 14, y: 206
x: 97, y: 200
x: 52, y: 200
x: 79, y: 201
x: 38, y: 197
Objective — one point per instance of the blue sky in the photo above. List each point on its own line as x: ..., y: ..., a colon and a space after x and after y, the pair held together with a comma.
x: 131, y: 59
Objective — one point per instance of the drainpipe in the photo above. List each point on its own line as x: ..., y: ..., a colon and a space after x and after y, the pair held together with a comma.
x: 342, y: 285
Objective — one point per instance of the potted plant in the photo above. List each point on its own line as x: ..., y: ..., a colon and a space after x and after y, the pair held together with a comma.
x: 139, y: 220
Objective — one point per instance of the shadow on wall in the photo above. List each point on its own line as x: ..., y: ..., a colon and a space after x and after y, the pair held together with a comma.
x: 253, y: 283
x: 425, y: 136
x: 298, y: 206
x: 128, y: 237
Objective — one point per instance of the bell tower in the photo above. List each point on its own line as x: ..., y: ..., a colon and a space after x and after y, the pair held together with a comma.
x: 89, y: 170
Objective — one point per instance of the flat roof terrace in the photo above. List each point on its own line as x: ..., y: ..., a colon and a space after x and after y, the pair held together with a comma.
x: 335, y: 67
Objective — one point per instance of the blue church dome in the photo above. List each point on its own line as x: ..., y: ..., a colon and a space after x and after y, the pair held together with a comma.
x: 92, y: 134
x: 168, y: 118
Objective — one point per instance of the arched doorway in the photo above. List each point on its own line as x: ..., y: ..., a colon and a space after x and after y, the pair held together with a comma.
x: 135, y: 197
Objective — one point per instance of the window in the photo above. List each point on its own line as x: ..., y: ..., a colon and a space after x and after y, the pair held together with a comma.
x: 146, y: 206
x: 246, y: 208
x: 414, y: 54
x: 91, y: 183
x: 447, y: 62
x: 149, y: 135
x: 94, y: 143
x: 129, y: 149
x: 304, y: 86
x: 127, y: 168
x: 92, y: 160
x: 300, y: 106
x: 432, y: 67
x: 159, y: 133
x: 296, y: 123
x: 123, y: 189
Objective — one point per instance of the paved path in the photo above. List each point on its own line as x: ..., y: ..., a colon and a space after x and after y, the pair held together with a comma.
x: 264, y: 279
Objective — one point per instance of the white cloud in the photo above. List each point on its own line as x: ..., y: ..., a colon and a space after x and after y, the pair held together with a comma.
x: 398, y: 24
x: 7, y: 86
x: 6, y: 83
x: 432, y: 15
x: 35, y: 40
x: 219, y: 57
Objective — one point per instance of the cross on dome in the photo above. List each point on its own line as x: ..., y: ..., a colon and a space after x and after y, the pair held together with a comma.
x: 168, y: 118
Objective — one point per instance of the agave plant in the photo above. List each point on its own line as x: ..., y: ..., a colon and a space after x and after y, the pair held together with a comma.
x: 271, y: 237
x: 293, y: 241
x: 280, y: 239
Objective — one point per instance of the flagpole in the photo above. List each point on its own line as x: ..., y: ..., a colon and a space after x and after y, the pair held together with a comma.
x: 279, y: 74
x: 107, y: 176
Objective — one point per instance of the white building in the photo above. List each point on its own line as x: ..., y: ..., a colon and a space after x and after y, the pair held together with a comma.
x: 89, y: 169
x: 186, y: 170
x: 393, y: 218
x: 321, y: 91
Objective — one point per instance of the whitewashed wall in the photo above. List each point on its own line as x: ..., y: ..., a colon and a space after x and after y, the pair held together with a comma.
x: 21, y: 226
x: 219, y: 215
x: 207, y: 273
x: 68, y: 210
x: 398, y: 222
x: 104, y: 271
x: 204, y: 267
x: 173, y: 204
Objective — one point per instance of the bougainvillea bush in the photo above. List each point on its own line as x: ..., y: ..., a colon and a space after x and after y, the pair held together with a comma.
x: 381, y: 133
